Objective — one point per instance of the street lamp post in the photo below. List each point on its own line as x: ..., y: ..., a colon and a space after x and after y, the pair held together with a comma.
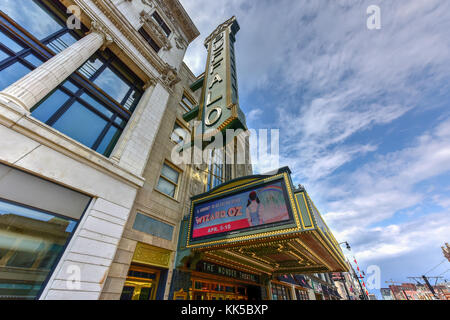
x: 354, y: 274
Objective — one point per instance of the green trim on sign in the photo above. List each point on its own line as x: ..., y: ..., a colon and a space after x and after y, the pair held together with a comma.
x: 188, y: 116
x: 303, y: 210
x: 197, y: 84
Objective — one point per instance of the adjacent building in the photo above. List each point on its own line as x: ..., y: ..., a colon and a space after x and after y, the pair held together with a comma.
x: 411, y: 291
x: 386, y: 294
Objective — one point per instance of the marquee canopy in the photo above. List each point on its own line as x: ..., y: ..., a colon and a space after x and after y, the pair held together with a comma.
x: 260, y: 224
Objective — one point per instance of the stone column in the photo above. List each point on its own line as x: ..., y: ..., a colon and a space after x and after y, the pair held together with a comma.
x: 142, y: 130
x: 133, y: 122
x: 33, y: 87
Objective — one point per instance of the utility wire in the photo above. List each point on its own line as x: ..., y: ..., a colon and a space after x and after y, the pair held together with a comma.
x: 444, y: 272
x: 436, y: 266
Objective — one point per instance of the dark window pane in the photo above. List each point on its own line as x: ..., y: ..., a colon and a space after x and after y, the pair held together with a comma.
x: 80, y: 124
x: 50, y: 105
x: 62, y: 42
x: 38, y: 240
x: 10, y: 43
x: 69, y: 85
x: 112, y: 84
x: 145, y: 293
x: 170, y: 173
x: 25, y: 254
x: 3, y: 56
x: 127, y: 293
x: 119, y: 121
x: 50, y: 256
x: 31, y: 58
x: 166, y: 187
x: 97, y: 105
x: 149, y: 40
x: 187, y: 102
x: 32, y: 17
x: 161, y: 23
x: 179, y: 134
x: 6, y: 245
x: 90, y: 67
x: 11, y: 74
x: 109, y: 140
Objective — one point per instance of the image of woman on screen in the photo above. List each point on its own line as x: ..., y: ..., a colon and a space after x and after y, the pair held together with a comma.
x: 254, y: 209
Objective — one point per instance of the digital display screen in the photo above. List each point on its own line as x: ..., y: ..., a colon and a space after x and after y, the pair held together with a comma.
x: 263, y: 205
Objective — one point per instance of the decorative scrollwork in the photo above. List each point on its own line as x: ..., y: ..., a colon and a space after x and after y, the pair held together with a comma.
x: 155, y: 31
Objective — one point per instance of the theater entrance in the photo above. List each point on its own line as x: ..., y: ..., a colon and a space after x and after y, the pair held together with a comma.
x: 213, y: 290
x: 141, y: 284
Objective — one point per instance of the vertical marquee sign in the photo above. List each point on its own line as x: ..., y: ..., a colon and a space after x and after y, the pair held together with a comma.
x: 219, y: 105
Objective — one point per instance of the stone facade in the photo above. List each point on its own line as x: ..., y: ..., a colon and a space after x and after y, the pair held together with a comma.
x: 103, y: 241
x: 150, y: 201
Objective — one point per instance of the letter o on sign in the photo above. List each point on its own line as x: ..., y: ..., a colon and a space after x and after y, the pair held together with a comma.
x: 217, y: 114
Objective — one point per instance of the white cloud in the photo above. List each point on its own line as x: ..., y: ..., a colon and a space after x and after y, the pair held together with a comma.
x: 381, y: 188
x: 254, y: 115
x: 396, y: 240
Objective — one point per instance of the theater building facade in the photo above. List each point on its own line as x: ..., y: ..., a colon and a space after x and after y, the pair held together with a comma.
x: 94, y: 99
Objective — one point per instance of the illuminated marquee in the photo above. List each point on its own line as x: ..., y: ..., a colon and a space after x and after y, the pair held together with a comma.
x: 253, y: 208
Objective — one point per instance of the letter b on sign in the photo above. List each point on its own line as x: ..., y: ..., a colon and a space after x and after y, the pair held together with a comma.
x: 374, y: 20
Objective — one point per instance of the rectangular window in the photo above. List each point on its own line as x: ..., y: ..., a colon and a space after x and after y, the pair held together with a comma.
x: 301, y: 294
x: 280, y: 292
x: 179, y: 133
x: 168, y: 181
x: 149, y: 40
x: 187, y: 103
x: 215, y: 169
x: 102, y: 94
x: 159, y: 21
x: 37, y: 219
x: 30, y: 243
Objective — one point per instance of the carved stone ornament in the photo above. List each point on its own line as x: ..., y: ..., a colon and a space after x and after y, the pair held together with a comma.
x: 169, y: 76
x: 181, y: 43
x: 101, y: 29
x: 155, y: 31
x: 178, y: 18
x: 148, y: 3
x: 150, y: 83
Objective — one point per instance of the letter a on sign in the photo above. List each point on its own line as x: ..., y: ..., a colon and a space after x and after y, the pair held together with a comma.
x: 374, y: 20
x: 216, y: 79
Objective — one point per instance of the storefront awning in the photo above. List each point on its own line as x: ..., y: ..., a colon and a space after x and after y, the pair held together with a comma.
x: 262, y: 224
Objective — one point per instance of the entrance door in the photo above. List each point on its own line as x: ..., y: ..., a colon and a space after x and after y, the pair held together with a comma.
x: 201, y: 296
x: 141, y: 284
x: 215, y: 296
x: 137, y: 290
x: 212, y: 290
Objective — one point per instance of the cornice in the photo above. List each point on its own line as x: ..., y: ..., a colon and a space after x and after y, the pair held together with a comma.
x: 175, y: 12
x: 121, y: 23
x: 155, y: 31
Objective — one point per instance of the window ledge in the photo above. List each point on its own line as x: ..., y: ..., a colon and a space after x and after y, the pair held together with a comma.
x: 167, y: 196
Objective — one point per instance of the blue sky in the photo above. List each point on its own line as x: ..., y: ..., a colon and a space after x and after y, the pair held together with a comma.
x: 364, y: 115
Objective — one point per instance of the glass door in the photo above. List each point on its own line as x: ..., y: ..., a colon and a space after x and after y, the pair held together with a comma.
x: 211, y: 290
x: 141, y: 284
